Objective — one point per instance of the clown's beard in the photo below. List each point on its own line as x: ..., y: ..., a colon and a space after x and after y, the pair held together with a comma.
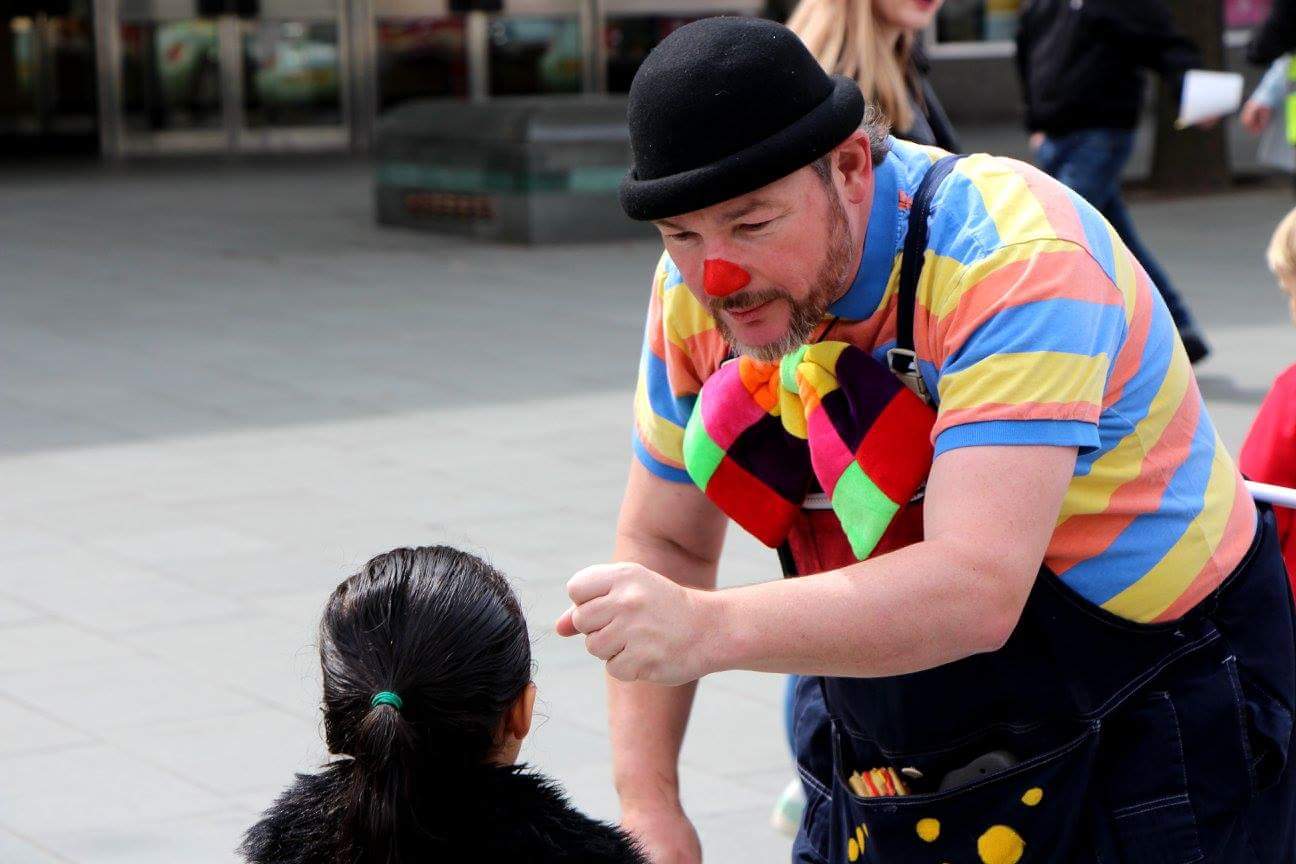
x: 803, y: 315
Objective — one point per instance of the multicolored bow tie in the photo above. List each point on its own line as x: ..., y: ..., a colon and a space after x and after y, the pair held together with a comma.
x: 762, y: 433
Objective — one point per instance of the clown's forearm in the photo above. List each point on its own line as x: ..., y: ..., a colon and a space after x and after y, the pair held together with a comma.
x: 913, y: 609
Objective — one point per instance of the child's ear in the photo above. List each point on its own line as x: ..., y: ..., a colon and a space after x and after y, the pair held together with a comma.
x: 517, y: 720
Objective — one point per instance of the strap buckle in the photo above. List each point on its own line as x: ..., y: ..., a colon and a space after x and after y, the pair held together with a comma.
x: 904, y: 363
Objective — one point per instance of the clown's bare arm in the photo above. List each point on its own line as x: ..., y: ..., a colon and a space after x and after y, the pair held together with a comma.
x: 668, y: 528
x: 989, y: 514
x: 988, y: 517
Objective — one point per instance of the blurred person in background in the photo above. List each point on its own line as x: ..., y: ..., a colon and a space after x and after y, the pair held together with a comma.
x: 1081, y: 69
x: 876, y: 43
x: 1269, y: 452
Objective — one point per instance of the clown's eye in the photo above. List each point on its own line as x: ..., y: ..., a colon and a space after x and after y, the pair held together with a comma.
x: 681, y: 236
x: 752, y: 227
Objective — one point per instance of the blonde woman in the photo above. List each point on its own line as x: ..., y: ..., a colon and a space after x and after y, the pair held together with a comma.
x: 876, y: 43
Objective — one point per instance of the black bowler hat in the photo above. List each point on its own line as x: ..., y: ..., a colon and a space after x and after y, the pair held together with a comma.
x: 724, y: 106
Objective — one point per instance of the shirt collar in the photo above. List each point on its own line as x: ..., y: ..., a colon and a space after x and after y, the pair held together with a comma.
x: 882, y: 240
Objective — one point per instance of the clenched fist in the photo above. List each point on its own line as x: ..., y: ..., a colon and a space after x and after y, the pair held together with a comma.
x: 641, y: 624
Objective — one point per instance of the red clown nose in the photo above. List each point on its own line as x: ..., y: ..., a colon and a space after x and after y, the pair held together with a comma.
x: 720, y: 278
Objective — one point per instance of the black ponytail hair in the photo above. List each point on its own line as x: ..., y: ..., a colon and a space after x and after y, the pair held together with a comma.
x: 442, y: 630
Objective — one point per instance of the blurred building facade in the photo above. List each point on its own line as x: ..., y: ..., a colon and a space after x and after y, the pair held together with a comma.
x: 122, y: 78
x: 131, y: 77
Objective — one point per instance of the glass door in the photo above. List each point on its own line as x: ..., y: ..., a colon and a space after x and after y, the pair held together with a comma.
x: 172, y: 79
x: 47, y: 77
x: 227, y: 76
x: 294, y: 92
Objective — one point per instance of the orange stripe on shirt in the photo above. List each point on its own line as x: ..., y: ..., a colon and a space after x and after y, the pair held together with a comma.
x: 871, y: 331
x: 680, y: 371
x: 707, y: 350
x: 887, y: 332
x: 1083, y: 536
x: 656, y: 333
x: 1054, y: 201
x: 1046, y: 276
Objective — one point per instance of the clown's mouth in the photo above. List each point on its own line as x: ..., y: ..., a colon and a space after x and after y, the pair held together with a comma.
x: 750, y: 313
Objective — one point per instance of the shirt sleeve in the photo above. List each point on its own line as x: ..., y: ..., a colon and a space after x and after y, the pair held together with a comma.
x: 1273, y: 86
x: 1024, y: 347
x: 680, y: 349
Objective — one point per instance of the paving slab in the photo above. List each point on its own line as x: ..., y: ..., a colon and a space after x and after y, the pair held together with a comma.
x: 91, y: 787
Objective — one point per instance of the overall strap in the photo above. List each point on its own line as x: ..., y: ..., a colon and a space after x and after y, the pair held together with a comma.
x: 902, y: 359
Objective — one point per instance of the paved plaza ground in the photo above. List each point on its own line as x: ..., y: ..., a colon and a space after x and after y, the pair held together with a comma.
x: 222, y: 388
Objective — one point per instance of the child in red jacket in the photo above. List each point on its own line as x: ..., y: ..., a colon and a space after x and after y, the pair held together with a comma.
x: 1269, y: 453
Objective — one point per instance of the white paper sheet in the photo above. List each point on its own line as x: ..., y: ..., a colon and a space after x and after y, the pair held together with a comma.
x: 1207, y: 95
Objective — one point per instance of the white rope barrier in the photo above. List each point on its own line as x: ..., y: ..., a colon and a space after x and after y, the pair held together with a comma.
x: 1279, y: 496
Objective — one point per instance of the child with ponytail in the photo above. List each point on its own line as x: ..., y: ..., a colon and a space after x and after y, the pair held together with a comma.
x: 427, y: 698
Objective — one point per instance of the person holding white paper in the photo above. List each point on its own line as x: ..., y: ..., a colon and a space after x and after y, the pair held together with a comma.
x: 1081, y: 66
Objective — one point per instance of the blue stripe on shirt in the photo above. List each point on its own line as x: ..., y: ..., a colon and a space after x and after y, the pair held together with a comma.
x: 665, y: 404
x: 660, y: 469
x: 1018, y: 433
x: 1096, y: 234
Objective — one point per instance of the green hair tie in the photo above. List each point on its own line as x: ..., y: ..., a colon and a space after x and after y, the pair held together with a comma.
x: 386, y: 697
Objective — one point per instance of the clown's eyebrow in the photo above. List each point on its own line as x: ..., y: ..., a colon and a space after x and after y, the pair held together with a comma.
x: 744, y: 209
x: 666, y: 223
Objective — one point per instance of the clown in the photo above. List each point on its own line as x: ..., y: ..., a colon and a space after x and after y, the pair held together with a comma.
x: 1037, y: 612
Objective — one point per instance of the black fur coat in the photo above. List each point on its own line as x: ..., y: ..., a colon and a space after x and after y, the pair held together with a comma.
x: 499, y: 814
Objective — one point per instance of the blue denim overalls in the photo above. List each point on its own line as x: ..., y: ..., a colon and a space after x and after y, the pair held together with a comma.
x: 1126, y: 742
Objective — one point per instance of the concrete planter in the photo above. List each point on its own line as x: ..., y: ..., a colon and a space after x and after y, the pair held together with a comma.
x: 533, y: 170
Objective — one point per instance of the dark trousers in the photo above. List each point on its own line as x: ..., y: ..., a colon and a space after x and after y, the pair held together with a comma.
x: 1090, y: 162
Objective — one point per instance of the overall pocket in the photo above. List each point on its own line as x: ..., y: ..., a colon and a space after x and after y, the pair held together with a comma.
x: 1031, y: 811
x: 1266, y: 727
x: 1150, y: 816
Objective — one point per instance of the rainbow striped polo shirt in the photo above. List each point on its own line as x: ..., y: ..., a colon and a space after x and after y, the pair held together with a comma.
x: 1035, y: 325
